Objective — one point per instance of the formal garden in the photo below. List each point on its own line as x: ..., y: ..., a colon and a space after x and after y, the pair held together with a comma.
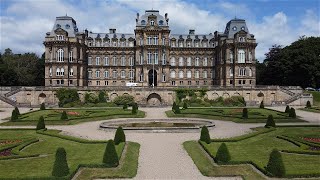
x: 281, y: 152
x: 47, y: 154
x: 316, y: 103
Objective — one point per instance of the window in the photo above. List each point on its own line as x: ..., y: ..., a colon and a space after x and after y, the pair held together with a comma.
x: 241, y: 39
x: 131, y: 74
x: 196, y: 62
x: 205, y: 74
x: 244, y: 82
x: 242, y: 71
x: 115, y: 43
x: 205, y: 61
x: 149, y: 40
x: 163, y: 41
x: 58, y: 72
x: 196, y: 74
x: 97, y: 74
x: 181, y: 83
x: 241, y: 56
x: 189, y: 83
x: 62, y: 81
x: 58, y: 81
x: 250, y: 72
x: 141, y: 59
x: 122, y: 43
x: 131, y: 43
x: 131, y: 61
x: 180, y: 74
x: 152, y: 22
x: 149, y: 58
x: 197, y: 82
x: 155, y: 40
x: 180, y: 61
x: 141, y: 41
x: 60, y: 55
x: 250, y: 56
x: 231, y: 81
x: 106, y: 74
x: 141, y: 77
x: 98, y: 83
x: 97, y: 61
x: 106, y: 61
x: 189, y: 61
x: 196, y: 44
x: 204, y: 44
x: 231, y: 56
x: 114, y: 74
x: 123, y: 74
x: 60, y: 37
x: 106, y: 83
x: 173, y: 83
x: 173, y: 61
x: 188, y: 44
x: 160, y: 22
x: 89, y: 74
x: 163, y: 78
x: 50, y: 71
x: 89, y: 60
x: 163, y: 59
x: 114, y: 59
x: 213, y: 74
x: 62, y: 72
x: 180, y: 43
x: 156, y: 58
x: 123, y: 61
x: 71, y: 72
x: 231, y: 72
x: 173, y: 74
x: 71, y: 56
x: 143, y: 22
x: 173, y: 44
x: 189, y: 74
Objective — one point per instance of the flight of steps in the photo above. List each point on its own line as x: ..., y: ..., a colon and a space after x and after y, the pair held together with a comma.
x: 294, y: 96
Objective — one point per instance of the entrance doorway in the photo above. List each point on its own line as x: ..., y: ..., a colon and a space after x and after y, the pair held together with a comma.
x: 152, y: 77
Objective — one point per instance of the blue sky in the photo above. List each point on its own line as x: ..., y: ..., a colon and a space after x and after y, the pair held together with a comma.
x: 25, y: 22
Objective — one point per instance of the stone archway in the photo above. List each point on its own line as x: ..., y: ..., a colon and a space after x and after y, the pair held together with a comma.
x: 113, y: 95
x: 42, y: 98
x: 154, y: 99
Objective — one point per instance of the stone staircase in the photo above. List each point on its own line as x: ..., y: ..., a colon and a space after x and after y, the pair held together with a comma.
x: 13, y: 91
x: 5, y: 98
x: 294, y: 96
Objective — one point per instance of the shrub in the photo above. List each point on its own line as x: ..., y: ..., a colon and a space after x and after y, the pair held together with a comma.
x: 102, y: 96
x: 177, y: 110
x: 90, y: 98
x: 174, y: 106
x: 275, y: 165
x: 134, y: 108
x: 223, y: 154
x: 261, y: 105
x: 205, y: 136
x: 110, y: 156
x: 287, y: 109
x: 292, y: 113
x: 185, y: 105
x: 64, y: 115
x: 14, y: 115
x: 125, y: 106
x: 17, y: 110
x: 42, y: 106
x: 245, y: 113
x: 119, y: 136
x: 124, y: 99
x: 308, y: 104
x: 270, y: 122
x: 41, y: 124
x: 60, y: 166
x: 67, y: 95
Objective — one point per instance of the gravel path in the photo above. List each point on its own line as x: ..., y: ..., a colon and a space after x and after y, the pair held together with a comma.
x: 305, y: 115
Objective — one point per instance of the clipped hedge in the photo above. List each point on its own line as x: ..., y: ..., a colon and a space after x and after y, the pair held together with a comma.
x: 246, y: 136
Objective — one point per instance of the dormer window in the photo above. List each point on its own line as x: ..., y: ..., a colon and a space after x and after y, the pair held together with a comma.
x: 67, y: 26
x: 243, y: 28
x: 60, y: 37
x: 58, y: 26
x: 241, y: 39
x: 152, y: 22
x: 234, y: 28
x: 143, y: 22
x: 160, y: 22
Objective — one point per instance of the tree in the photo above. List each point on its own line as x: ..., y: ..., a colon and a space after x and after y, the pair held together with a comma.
x: 287, y: 109
x: 275, y: 165
x: 205, y: 136
x: 67, y: 95
x: 41, y: 124
x: 17, y: 110
x: 308, y: 105
x: 14, y: 115
x: 119, y: 136
x: 223, y: 154
x: 102, y: 96
x: 64, y: 115
x: 292, y: 113
x: 125, y: 106
x: 270, y: 122
x: 262, y: 105
x: 110, y: 156
x: 42, y: 106
x: 60, y: 166
x: 245, y: 113
x: 185, y: 105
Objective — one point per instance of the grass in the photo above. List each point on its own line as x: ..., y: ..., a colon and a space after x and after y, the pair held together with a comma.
x: 41, y: 166
x: 316, y: 97
x: 255, y: 115
x: 258, y: 148
x: 315, y: 109
x: 52, y: 116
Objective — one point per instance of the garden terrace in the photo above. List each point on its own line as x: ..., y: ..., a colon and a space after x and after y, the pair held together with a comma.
x: 255, y: 115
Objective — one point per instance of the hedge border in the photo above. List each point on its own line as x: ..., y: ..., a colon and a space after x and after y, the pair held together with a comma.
x: 16, y: 149
x: 245, y: 136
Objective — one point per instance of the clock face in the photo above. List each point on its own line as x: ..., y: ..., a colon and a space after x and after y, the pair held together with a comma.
x: 234, y: 28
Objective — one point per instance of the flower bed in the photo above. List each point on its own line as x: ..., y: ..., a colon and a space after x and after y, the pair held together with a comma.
x: 72, y: 113
x: 5, y: 142
x: 312, y: 139
x: 6, y: 152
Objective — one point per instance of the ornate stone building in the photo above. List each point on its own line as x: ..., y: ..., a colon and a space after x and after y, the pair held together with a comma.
x: 151, y: 56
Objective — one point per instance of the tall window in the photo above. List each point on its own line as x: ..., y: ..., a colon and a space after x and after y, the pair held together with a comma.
x: 163, y: 41
x: 114, y: 74
x: 155, y: 40
x: 89, y: 74
x: 163, y: 78
x: 131, y: 74
x: 242, y: 71
x: 123, y: 61
x: 231, y: 57
x: 106, y: 61
x: 71, y: 56
x: 50, y: 71
x: 141, y: 41
x: 196, y: 74
x: 180, y: 43
x: 97, y: 74
x: 58, y: 72
x: 250, y: 56
x: 205, y: 61
x: 213, y: 75
x: 114, y: 59
x: 60, y: 37
x: 97, y: 61
x: 189, y: 74
x: 156, y: 59
x: 131, y: 61
x: 180, y: 74
x: 71, y: 72
x: 141, y: 77
x: 189, y: 61
x: 62, y: 72
x: 172, y: 74
x: 196, y: 44
x: 89, y: 60
x: 173, y: 61
x: 106, y: 74
x: 163, y: 59
x: 196, y: 62
x: 188, y: 44
x: 173, y: 44
x: 149, y: 58
x: 149, y: 38
x: 60, y: 55
x: 180, y: 61
x: 241, y: 56
x: 141, y: 58
x: 205, y: 74
x: 123, y: 74
x: 250, y: 72
x: 231, y: 72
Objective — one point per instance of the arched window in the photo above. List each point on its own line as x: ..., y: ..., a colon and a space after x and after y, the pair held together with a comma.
x: 250, y: 72
x: 196, y: 74
x: 71, y: 56
x: 196, y: 62
x: 106, y: 74
x: 250, y: 56
x: 106, y: 61
x: 231, y: 56
x: 50, y: 71
x: 143, y: 22
x: 241, y: 56
x: 123, y: 74
x: 173, y: 61
x: 163, y: 78
x: 188, y: 74
x: 180, y: 74
x: 71, y: 72
x: 205, y: 74
x: 62, y: 72
x: 189, y: 61
x: 231, y: 72
x: 131, y: 74
x: 60, y: 55
x: 242, y: 71
x: 205, y: 61
x: 173, y: 74
x: 180, y: 61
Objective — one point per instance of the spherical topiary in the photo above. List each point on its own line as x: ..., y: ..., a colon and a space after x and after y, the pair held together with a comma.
x: 270, y: 122
x: 125, y: 106
x: 17, y: 110
x: 292, y: 113
x: 64, y: 115
x: 185, y: 105
x: 287, y: 109
x: 42, y: 106
x: 205, y: 136
x: 245, y: 113
x: 60, y: 166
x: 308, y: 105
x: 110, y: 156
x: 262, y: 105
x: 14, y: 115
x: 275, y: 165
x: 119, y: 136
x: 223, y: 154
x: 41, y: 124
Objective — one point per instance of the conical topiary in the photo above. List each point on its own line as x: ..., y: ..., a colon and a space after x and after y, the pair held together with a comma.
x: 262, y: 105
x: 287, y: 109
x: 177, y: 109
x: 275, y: 165
x: 270, y: 122
x: 205, y: 135
x: 292, y: 113
x: 41, y: 124
x: 119, y: 136
x: 110, y: 156
x: 134, y: 108
x: 185, y: 105
x: 17, y: 110
x: 14, y: 115
x: 223, y: 154
x: 60, y: 166
x: 174, y: 106
x: 308, y: 105
x: 42, y: 106
x: 64, y: 115
x: 245, y: 113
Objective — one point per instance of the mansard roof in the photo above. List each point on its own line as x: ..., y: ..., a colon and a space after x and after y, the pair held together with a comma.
x: 111, y: 35
x: 66, y: 23
x: 148, y: 13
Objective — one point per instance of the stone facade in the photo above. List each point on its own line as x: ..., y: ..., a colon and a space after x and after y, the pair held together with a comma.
x: 151, y: 56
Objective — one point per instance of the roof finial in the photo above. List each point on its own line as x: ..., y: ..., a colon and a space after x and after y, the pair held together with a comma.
x: 152, y: 5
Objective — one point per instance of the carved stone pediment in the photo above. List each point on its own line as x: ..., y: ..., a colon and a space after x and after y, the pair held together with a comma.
x: 61, y: 31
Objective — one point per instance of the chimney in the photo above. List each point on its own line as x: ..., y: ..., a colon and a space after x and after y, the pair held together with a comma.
x: 166, y: 16
x: 112, y: 31
x: 191, y: 31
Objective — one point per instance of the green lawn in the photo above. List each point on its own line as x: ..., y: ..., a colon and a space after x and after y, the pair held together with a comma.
x: 52, y: 116
x: 255, y: 115
x: 315, y: 109
x: 258, y: 148
x: 316, y: 97
x: 90, y: 153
